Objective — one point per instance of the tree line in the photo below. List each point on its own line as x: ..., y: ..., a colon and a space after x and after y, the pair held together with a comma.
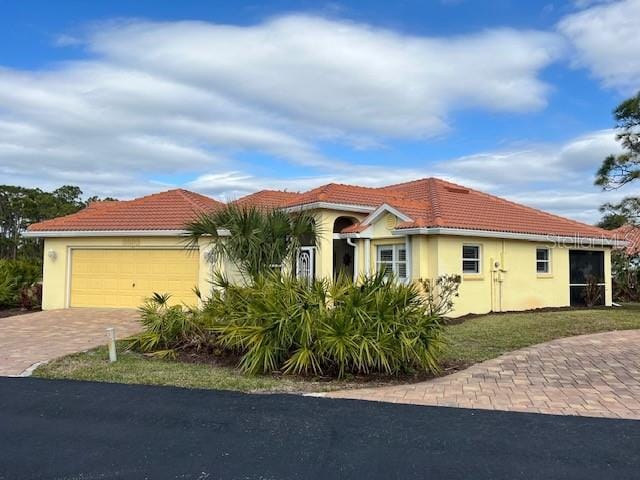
x: 21, y: 206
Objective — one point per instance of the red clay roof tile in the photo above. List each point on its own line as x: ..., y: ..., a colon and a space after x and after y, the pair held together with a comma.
x: 169, y: 210
x: 428, y: 202
x: 631, y: 234
x: 268, y: 199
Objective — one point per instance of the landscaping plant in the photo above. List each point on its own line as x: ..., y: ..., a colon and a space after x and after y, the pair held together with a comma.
x: 19, y: 283
x: 281, y: 323
x: 626, y: 276
x: 256, y: 240
x: 167, y: 328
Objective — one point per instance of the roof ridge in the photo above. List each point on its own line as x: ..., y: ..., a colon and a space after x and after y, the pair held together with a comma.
x: 434, y: 201
x: 408, y: 182
x: 186, y: 194
x: 273, y: 190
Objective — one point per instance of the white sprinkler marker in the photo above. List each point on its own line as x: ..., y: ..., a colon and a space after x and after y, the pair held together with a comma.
x: 111, y: 333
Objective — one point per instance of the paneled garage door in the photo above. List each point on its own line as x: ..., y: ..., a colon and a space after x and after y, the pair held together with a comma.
x: 124, y: 277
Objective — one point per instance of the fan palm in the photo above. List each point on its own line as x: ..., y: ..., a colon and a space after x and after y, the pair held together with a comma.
x: 255, y: 240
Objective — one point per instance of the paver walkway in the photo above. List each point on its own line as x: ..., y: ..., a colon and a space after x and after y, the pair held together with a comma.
x: 41, y: 336
x: 590, y: 375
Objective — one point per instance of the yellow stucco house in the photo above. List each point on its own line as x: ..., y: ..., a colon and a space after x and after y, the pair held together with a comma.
x: 509, y: 256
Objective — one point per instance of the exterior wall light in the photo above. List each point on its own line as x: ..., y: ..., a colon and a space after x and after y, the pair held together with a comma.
x: 52, y: 255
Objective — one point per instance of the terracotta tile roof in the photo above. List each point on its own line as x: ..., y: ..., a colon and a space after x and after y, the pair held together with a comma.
x: 169, y: 210
x: 428, y: 202
x: 631, y: 234
x: 432, y: 202
x: 268, y: 199
x: 344, y: 194
x: 455, y: 206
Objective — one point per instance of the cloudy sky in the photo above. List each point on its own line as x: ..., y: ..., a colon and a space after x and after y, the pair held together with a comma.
x: 126, y: 98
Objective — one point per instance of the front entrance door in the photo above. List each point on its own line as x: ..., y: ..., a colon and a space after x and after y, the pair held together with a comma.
x: 305, y: 263
x: 586, y: 277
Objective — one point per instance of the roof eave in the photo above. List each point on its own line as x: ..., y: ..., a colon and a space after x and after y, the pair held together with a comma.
x: 111, y: 233
x: 347, y: 207
x: 567, y: 239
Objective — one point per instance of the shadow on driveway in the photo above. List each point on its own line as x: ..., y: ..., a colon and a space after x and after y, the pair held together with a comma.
x: 85, y: 430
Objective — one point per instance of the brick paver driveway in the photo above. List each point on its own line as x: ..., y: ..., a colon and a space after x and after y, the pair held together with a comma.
x: 590, y: 375
x: 38, y: 337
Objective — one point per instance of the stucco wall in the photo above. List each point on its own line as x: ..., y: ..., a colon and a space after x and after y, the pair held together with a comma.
x: 55, y: 272
x: 324, y: 252
x: 514, y: 284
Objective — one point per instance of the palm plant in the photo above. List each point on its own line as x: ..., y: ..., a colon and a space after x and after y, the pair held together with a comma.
x: 255, y: 240
x: 283, y: 323
x: 168, y: 328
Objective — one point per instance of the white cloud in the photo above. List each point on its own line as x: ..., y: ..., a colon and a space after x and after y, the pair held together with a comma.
x: 607, y: 40
x: 552, y: 177
x: 342, y: 77
x: 588, y: 3
x: 153, y: 100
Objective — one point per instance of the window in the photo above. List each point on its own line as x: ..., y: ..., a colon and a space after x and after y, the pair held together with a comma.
x: 543, y: 260
x: 392, y: 259
x: 470, y: 259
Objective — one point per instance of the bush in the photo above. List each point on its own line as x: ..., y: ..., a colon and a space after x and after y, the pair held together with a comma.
x: 167, y: 328
x: 18, y: 283
x: 291, y: 325
x: 626, y: 276
x: 30, y: 296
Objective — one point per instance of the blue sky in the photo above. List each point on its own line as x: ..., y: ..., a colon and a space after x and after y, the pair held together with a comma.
x: 126, y: 98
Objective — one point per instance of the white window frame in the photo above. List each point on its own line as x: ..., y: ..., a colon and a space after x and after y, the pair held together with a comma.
x: 546, y: 262
x: 478, y: 260
x: 395, y: 259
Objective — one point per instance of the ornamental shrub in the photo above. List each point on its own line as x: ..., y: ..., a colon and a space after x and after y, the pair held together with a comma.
x: 376, y: 325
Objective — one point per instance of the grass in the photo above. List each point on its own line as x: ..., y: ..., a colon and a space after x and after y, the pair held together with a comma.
x: 482, y: 338
x: 136, y: 368
x: 474, y: 340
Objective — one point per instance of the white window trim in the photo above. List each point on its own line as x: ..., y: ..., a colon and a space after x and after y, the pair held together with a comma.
x: 547, y: 261
x: 477, y: 260
x: 395, y: 248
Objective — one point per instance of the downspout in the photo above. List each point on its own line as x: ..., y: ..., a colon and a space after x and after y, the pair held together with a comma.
x: 407, y: 249
x: 501, y: 277
x: 351, y: 243
x: 367, y: 256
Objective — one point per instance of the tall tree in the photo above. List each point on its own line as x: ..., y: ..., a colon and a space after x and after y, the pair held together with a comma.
x: 20, y: 207
x: 617, y: 214
x: 619, y: 170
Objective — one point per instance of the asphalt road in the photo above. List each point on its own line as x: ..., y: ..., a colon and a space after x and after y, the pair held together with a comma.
x: 82, y: 430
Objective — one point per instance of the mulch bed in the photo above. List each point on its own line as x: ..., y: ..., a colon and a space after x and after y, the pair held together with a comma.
x: 218, y: 358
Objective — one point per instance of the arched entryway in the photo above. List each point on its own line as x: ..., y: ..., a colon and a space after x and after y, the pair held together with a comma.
x: 343, y: 253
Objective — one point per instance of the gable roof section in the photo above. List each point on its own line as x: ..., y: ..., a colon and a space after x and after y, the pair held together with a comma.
x: 268, y: 199
x: 169, y: 210
x: 631, y: 234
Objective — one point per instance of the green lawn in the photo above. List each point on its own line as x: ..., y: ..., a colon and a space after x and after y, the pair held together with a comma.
x: 472, y: 341
x: 489, y: 336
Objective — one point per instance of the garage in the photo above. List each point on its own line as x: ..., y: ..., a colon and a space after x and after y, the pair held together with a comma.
x: 123, y: 278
